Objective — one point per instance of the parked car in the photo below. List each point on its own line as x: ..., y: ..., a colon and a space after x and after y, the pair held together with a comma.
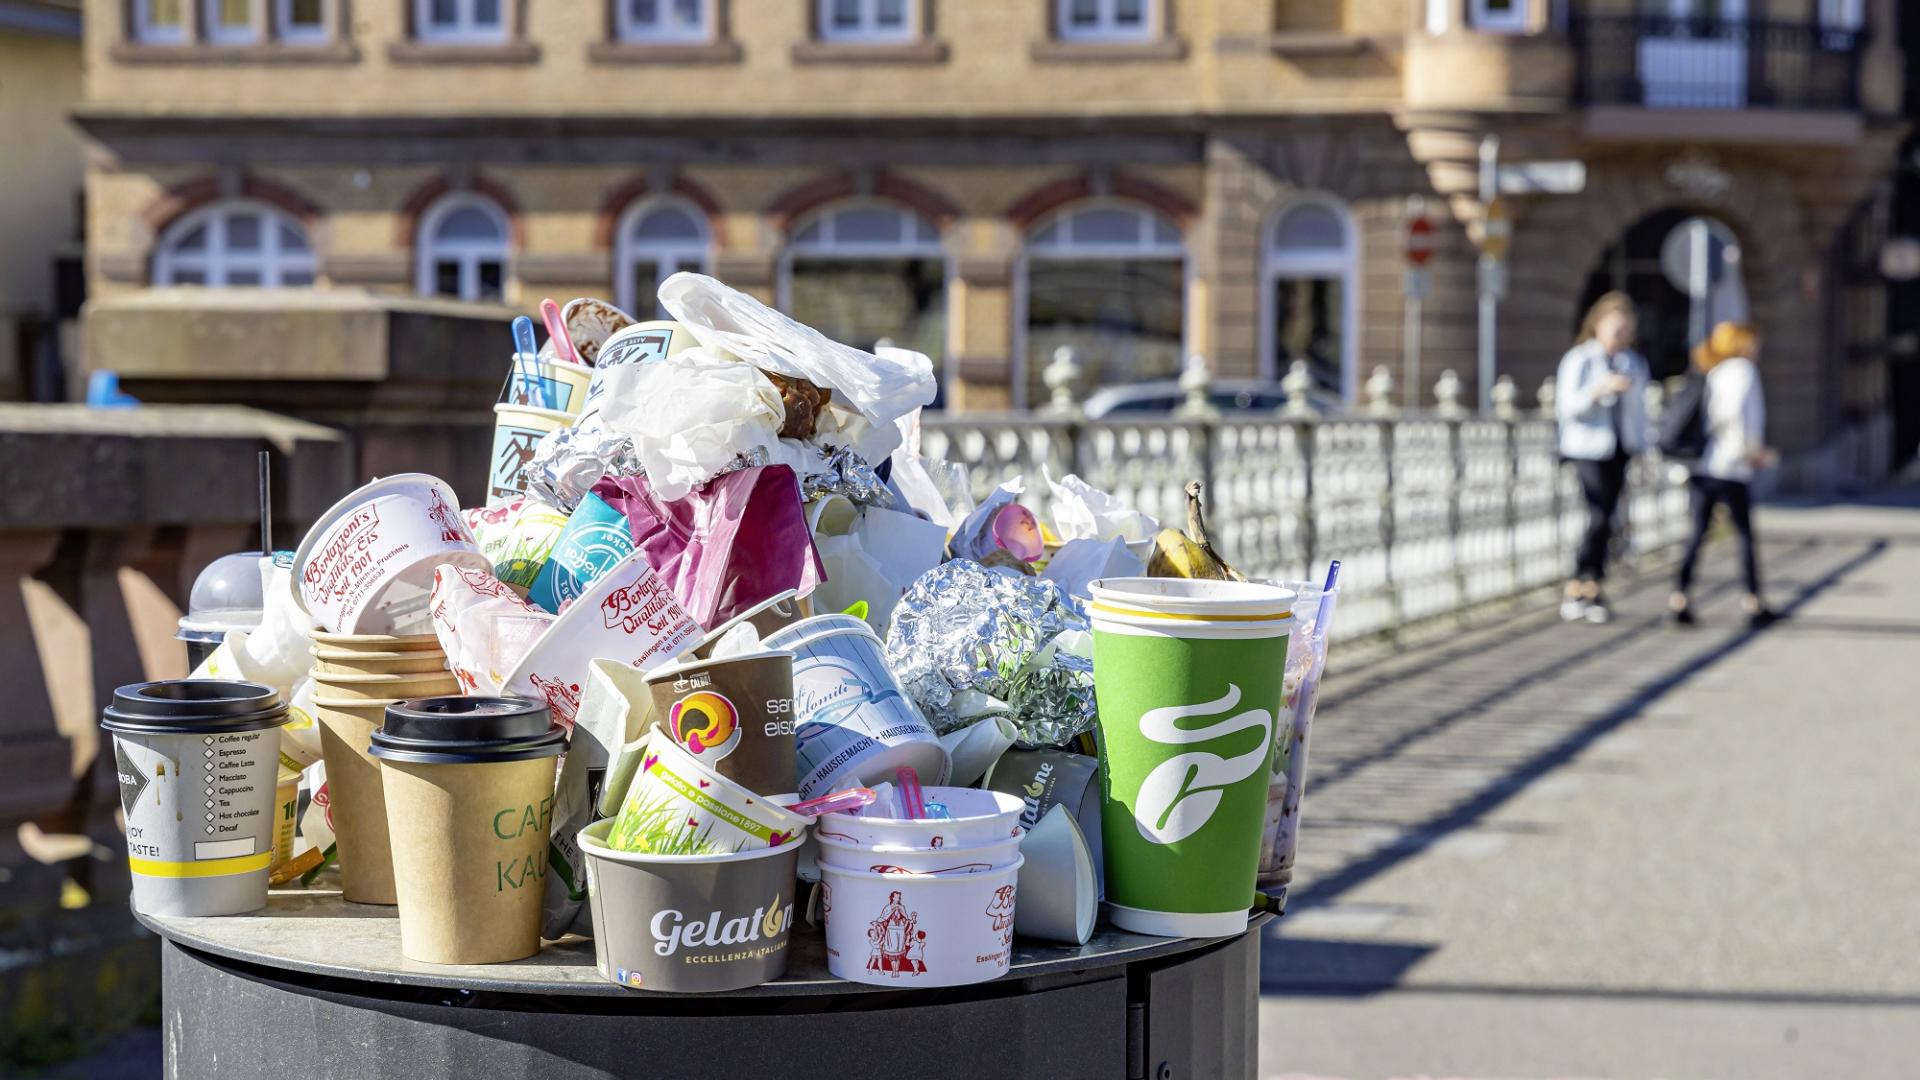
x: 1230, y: 396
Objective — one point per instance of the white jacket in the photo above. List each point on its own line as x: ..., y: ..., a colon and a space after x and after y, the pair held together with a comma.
x: 1736, y: 420
x: 1585, y: 414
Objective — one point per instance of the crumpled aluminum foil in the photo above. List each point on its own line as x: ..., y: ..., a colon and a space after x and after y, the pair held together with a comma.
x: 845, y: 472
x: 963, y: 631
x: 568, y: 461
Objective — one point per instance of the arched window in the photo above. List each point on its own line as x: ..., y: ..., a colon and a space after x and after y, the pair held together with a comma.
x: 868, y: 270
x: 1108, y: 279
x: 657, y: 238
x: 1310, y: 298
x: 234, y: 242
x: 463, y: 249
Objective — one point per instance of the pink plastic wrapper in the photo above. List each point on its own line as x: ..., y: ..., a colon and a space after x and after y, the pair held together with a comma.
x: 739, y: 539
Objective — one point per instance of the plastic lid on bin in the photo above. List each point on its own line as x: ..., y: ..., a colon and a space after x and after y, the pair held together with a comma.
x: 226, y: 596
x: 467, y: 731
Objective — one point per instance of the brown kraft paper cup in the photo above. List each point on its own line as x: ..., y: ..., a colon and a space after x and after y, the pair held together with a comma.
x: 384, y: 688
x: 469, y: 808
x: 329, y: 662
x: 362, y: 643
x: 734, y: 714
x: 359, y: 806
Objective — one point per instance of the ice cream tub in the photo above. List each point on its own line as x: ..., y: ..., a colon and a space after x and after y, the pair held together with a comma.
x: 547, y: 384
x: 974, y: 817
x: 197, y: 761
x: 735, y: 714
x: 851, y: 719
x: 637, y: 343
x: 366, y: 567
x: 915, y: 930
x: 941, y: 860
x: 689, y: 923
x: 627, y: 614
x: 768, y: 617
x: 517, y: 430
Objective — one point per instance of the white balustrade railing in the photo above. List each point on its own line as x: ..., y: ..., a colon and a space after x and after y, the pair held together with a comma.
x: 1429, y: 513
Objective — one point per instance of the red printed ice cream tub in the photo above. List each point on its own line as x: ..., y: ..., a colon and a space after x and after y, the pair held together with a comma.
x: 366, y: 567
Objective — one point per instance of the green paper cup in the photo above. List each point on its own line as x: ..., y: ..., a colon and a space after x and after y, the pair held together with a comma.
x: 1189, y: 679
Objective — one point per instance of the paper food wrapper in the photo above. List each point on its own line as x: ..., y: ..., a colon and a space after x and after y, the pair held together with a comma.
x: 470, y: 857
x: 871, y: 554
x: 1084, y: 512
x: 357, y: 801
x: 1079, y: 562
x: 483, y: 626
x: 614, y: 710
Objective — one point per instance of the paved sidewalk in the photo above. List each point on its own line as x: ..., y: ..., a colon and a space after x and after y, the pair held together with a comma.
x: 1633, y: 850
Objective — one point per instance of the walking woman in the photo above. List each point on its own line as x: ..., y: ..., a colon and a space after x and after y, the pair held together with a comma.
x: 1600, y: 401
x: 1736, y: 422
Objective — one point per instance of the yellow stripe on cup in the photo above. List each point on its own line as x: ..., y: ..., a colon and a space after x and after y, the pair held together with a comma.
x: 1142, y: 613
x: 238, y: 864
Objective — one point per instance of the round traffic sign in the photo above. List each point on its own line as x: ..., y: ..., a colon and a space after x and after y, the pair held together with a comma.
x: 1419, y: 240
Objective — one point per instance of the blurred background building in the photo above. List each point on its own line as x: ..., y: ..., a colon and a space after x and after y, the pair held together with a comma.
x: 40, y: 183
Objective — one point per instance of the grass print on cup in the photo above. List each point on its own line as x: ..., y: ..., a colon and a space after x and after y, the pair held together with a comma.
x: 366, y: 567
x: 689, y: 923
x: 918, y: 930
x: 677, y: 806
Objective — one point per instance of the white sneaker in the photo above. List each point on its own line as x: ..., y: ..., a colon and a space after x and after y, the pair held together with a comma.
x: 1573, y: 609
x: 1598, y: 613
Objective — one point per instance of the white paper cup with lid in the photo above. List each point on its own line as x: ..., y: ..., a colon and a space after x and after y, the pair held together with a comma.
x: 366, y: 567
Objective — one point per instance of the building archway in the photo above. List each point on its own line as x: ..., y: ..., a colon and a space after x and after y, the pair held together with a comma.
x: 1684, y: 270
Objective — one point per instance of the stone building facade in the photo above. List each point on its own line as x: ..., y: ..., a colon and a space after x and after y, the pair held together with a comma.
x: 1142, y: 179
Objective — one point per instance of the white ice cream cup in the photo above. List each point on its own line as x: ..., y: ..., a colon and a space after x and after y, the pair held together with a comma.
x: 851, y: 719
x: 627, y: 614
x: 366, y: 567
x: 975, y: 817
x: 915, y: 930
x: 943, y: 860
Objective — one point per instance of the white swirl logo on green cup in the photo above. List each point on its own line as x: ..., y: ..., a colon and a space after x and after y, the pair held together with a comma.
x: 1188, y: 675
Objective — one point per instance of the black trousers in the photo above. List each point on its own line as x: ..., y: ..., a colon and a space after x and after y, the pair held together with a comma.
x: 1703, y: 494
x: 1601, y: 482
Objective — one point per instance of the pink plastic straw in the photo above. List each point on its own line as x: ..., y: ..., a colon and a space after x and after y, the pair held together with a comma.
x: 563, y: 349
x: 912, y: 802
x: 851, y: 799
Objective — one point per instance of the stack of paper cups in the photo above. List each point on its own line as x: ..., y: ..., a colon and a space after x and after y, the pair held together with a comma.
x: 355, y: 678
x: 924, y: 901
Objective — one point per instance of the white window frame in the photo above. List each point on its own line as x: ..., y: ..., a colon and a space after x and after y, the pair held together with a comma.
x: 147, y: 32
x: 217, y: 263
x: 1343, y: 264
x: 216, y: 33
x: 627, y: 28
x: 1145, y: 248
x: 868, y: 32
x: 465, y: 31
x: 1843, y: 14
x: 669, y: 257
x: 1516, y: 21
x: 428, y: 250
x: 909, y: 246
x: 1107, y: 26
x: 292, y: 33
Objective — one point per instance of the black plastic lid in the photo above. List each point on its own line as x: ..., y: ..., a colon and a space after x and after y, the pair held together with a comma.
x: 467, y: 731
x: 194, y: 707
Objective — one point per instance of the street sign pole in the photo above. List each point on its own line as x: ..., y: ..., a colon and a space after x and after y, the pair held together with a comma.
x: 1419, y: 249
x: 1493, y: 241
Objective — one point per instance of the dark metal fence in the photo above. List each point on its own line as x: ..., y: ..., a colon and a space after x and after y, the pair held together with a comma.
x: 1665, y: 61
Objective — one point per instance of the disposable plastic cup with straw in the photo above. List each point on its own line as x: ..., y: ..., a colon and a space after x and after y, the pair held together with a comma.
x: 1287, y: 785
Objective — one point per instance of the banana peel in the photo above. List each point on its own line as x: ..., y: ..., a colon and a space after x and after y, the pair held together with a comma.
x: 1190, y: 554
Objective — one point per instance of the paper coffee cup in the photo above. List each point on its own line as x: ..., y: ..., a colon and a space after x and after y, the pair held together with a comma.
x: 328, y: 663
x: 1059, y: 888
x: 769, y: 616
x: 974, y: 817
x: 546, y: 384
x: 689, y: 923
x: 678, y: 806
x: 517, y: 431
x: 1044, y: 779
x: 1188, y: 674
x: 469, y: 785
x: 593, y: 541
x: 379, y: 644
x: 196, y: 761
x: 734, y: 715
x: 366, y: 567
x: 384, y: 687
x: 357, y: 798
x: 286, y: 811
x: 914, y: 930
x: 627, y: 614
x: 851, y: 719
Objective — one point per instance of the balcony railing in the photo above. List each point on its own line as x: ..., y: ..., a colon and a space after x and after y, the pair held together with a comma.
x: 1663, y: 61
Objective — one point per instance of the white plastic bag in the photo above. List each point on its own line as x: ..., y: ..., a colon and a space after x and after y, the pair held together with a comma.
x: 870, y: 554
x: 870, y: 392
x: 1084, y: 512
x: 1081, y: 561
x: 693, y: 415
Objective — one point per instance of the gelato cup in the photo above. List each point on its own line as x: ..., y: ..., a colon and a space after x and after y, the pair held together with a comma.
x: 915, y: 930
x: 547, y: 384
x: 768, y: 617
x: 469, y: 793
x: 197, y: 761
x: 366, y: 567
x: 734, y: 714
x: 689, y: 923
x: 942, y: 860
x: 1059, y: 885
x: 517, y: 430
x: 975, y: 817
x: 678, y: 806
